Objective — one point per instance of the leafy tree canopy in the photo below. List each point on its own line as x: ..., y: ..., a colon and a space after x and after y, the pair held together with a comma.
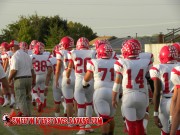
x: 48, y: 30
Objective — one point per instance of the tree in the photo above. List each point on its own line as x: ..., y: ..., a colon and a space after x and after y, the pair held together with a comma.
x: 48, y: 30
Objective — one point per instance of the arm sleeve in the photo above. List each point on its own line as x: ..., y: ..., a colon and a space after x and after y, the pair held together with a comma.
x: 59, y: 56
x: 14, y: 64
x: 90, y: 66
x: 118, y: 67
x: 175, y: 76
x: 154, y: 73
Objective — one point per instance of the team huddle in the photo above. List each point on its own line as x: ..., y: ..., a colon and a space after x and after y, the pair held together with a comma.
x: 88, y: 80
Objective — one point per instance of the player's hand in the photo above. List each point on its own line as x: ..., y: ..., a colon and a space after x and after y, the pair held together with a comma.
x: 169, y: 124
x: 57, y: 85
x: 114, y: 104
x: 86, y: 86
x: 68, y: 81
x: 157, y: 122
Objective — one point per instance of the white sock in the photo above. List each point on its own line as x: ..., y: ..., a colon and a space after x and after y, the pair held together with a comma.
x: 64, y: 106
x: 81, y: 112
x: 89, y: 111
x: 12, y: 98
x: 145, y: 123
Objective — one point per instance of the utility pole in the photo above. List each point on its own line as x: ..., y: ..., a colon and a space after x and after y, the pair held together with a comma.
x: 173, y: 34
x: 136, y: 35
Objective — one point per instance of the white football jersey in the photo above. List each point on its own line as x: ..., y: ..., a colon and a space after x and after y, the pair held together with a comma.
x: 46, y: 53
x: 163, y: 72
x: 4, y: 56
x: 133, y: 72
x: 52, y: 63
x: 146, y: 55
x: 30, y: 52
x: 80, y: 59
x: 62, y: 55
x: 40, y: 63
x: 103, y: 70
x: 175, y: 76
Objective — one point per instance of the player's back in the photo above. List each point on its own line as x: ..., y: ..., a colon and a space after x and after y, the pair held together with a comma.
x: 40, y: 63
x: 163, y: 72
x: 103, y: 73
x: 146, y: 55
x: 80, y: 58
x: 134, y: 71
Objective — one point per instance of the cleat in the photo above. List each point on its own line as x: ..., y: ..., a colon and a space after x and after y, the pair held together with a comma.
x: 12, y: 104
x: 81, y: 132
x: 89, y: 129
x: 6, y: 102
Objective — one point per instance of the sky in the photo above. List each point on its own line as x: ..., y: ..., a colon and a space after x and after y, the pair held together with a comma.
x: 118, y: 18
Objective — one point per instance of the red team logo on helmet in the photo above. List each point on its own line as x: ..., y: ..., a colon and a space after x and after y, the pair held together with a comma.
x: 67, y: 42
x: 168, y: 54
x: 177, y: 46
x: 104, y: 51
x: 130, y: 49
x: 82, y: 43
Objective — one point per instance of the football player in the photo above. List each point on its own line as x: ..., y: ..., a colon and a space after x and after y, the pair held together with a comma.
x: 163, y: 86
x: 132, y: 78
x: 175, y: 103
x: 66, y: 44
x: 102, y: 69
x: 78, y: 59
x: 40, y: 68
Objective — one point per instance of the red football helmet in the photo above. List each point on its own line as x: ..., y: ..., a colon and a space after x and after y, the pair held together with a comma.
x: 23, y: 46
x: 37, y: 49
x: 104, y: 51
x: 82, y: 43
x: 4, y: 46
x: 130, y: 49
x: 168, y: 54
x: 33, y: 43
x: 97, y: 43
x: 67, y: 42
x: 135, y: 41
x: 56, y: 49
x: 42, y: 46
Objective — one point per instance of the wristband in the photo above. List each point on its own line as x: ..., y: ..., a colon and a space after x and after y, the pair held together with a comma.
x: 116, y: 87
x: 170, y: 118
x: 156, y: 113
x: 84, y: 83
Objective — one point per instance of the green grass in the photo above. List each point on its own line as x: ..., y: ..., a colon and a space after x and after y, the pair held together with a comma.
x: 35, y: 130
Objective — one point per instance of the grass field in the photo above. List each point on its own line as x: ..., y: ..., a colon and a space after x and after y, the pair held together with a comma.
x: 48, y: 111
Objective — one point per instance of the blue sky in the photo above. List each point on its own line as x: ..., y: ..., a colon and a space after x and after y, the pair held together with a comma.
x: 106, y: 17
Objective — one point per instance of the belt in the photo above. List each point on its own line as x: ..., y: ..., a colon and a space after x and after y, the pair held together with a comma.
x: 20, y: 77
x: 167, y: 97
